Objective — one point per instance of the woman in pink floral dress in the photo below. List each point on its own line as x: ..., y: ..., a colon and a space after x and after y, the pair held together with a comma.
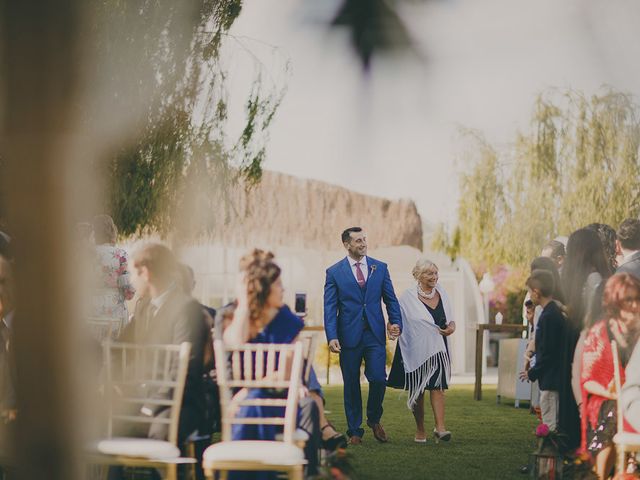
x: 113, y: 286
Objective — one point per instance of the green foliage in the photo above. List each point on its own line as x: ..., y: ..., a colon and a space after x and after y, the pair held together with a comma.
x: 443, y: 243
x: 578, y: 164
x: 513, y: 306
x: 180, y: 159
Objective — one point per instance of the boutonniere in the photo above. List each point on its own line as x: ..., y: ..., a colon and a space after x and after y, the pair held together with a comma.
x: 373, y: 269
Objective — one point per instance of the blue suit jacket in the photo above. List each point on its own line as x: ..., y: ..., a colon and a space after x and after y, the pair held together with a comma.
x: 346, y: 305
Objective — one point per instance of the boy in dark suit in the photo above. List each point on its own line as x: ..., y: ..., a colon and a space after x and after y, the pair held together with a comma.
x: 549, y: 340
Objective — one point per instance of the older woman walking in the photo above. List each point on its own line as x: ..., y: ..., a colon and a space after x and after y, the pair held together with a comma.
x: 421, y: 361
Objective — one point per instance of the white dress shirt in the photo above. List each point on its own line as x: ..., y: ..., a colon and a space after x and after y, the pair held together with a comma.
x: 363, y: 267
x: 162, y: 298
x: 628, y: 255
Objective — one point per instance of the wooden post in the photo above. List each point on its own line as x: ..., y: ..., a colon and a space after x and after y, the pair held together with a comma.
x: 480, y: 329
x: 39, y: 93
x: 477, y: 391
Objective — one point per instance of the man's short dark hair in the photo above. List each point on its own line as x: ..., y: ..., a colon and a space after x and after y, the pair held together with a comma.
x: 629, y: 234
x: 541, y: 280
x: 158, y: 259
x: 346, y: 235
x: 556, y: 247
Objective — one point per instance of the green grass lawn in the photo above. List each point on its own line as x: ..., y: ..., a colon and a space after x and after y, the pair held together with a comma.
x: 490, y: 441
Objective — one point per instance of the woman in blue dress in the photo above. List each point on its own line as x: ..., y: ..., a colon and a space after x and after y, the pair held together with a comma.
x: 262, y: 317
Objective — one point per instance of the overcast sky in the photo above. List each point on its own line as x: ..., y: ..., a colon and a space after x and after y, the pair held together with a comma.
x: 395, y: 133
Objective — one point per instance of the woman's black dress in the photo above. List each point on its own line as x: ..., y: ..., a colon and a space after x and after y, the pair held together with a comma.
x: 397, y: 374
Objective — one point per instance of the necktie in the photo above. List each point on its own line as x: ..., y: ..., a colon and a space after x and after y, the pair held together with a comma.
x: 151, y: 312
x: 359, y: 275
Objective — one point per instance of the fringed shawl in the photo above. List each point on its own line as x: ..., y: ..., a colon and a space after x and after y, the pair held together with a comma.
x: 421, y: 343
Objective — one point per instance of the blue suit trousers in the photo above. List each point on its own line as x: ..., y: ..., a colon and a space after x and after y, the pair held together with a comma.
x: 374, y: 355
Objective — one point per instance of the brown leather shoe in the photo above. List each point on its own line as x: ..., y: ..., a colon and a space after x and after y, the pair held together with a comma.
x: 378, y: 432
x: 355, y: 440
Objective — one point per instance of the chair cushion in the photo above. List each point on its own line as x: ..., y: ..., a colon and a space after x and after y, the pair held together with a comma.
x: 298, y: 436
x: 138, y: 447
x: 262, y: 451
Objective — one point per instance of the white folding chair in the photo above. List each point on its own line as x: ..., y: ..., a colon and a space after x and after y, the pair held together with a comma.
x: 104, y: 328
x: 625, y: 442
x: 310, y: 341
x: 257, y: 366
x: 134, y: 375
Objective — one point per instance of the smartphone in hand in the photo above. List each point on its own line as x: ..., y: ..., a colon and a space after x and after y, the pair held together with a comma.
x: 301, y: 304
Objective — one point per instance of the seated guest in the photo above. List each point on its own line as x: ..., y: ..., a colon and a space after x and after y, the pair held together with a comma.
x: 262, y: 317
x: 211, y: 393
x: 549, y: 337
x: 628, y: 245
x: 113, y: 287
x: 621, y: 304
x: 188, y: 284
x: 631, y: 391
x: 165, y: 315
x: 331, y: 438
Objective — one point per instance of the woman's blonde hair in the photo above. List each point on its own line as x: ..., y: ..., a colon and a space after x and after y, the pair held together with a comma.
x: 260, y: 272
x: 421, y: 266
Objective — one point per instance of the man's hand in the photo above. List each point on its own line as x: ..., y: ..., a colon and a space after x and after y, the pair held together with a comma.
x: 393, y: 331
x: 524, y: 376
x: 334, y: 346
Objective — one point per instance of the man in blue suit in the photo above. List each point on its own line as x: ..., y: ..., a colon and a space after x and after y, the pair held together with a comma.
x: 355, y: 328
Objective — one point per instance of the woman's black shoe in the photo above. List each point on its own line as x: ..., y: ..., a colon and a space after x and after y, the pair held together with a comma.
x: 335, y: 442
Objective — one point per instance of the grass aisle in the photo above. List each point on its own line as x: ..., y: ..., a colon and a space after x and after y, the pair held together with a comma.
x: 490, y: 441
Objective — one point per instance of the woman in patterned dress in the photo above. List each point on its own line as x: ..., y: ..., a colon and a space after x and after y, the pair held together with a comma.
x: 113, y: 287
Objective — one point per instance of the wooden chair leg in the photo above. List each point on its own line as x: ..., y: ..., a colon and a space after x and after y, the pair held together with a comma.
x: 621, y: 467
x: 172, y: 472
x: 296, y: 473
x: 191, y: 452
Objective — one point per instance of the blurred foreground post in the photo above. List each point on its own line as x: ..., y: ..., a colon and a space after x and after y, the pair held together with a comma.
x: 38, y: 150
